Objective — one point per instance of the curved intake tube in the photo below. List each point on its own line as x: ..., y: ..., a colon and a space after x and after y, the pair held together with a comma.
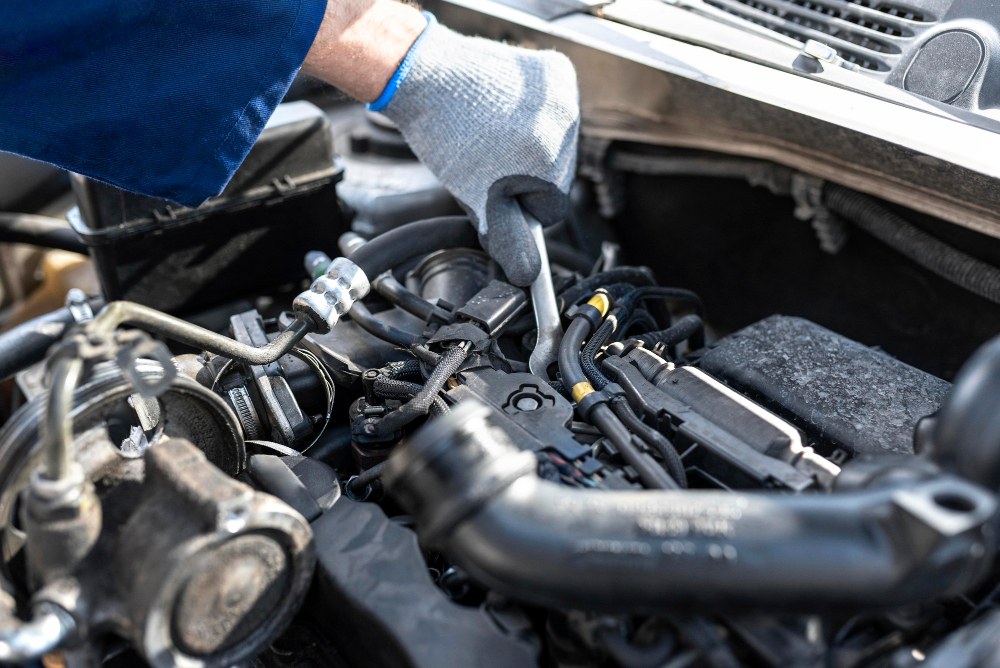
x: 477, y: 497
x: 966, y: 436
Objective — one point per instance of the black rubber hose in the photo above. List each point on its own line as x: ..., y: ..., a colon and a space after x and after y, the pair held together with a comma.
x: 478, y: 499
x: 367, y: 477
x: 690, y: 327
x: 569, y: 353
x: 635, y: 397
x: 566, y: 256
x: 929, y: 252
x: 360, y: 314
x: 393, y: 248
x: 397, y: 294
x: 26, y: 228
x: 650, y: 473
x: 27, y: 343
x: 670, y: 294
x: 671, y: 457
x: 602, y: 417
x: 640, y: 318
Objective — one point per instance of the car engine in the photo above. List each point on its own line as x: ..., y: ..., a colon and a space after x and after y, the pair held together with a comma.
x: 744, y: 417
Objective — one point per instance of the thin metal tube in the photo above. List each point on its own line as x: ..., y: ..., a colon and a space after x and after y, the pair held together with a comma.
x: 23, y: 642
x: 66, y: 376
x: 58, y: 425
x: 120, y: 313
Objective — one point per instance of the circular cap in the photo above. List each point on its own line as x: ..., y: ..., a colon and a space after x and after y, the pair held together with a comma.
x: 231, y: 593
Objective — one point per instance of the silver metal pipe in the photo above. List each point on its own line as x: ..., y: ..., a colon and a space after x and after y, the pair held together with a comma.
x: 543, y: 299
x: 58, y: 425
x: 21, y: 642
x: 66, y: 376
x: 120, y: 313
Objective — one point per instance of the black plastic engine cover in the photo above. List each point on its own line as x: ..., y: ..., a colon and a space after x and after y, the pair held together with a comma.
x: 373, y: 595
x: 840, y: 392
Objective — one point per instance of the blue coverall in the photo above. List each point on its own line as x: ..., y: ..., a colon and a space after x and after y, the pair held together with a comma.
x: 160, y: 97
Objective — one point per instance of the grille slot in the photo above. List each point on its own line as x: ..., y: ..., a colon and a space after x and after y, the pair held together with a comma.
x: 868, y: 33
x: 892, y: 10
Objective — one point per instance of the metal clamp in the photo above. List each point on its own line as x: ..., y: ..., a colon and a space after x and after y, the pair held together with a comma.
x: 134, y: 345
x: 332, y: 294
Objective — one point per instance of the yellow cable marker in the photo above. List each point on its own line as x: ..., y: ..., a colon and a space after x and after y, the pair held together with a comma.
x: 580, y: 390
x: 601, y: 302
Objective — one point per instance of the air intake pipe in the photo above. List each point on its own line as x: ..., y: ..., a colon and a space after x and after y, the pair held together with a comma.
x: 966, y: 437
x: 477, y: 498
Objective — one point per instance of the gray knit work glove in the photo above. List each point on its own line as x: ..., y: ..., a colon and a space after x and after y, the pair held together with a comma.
x: 498, y: 126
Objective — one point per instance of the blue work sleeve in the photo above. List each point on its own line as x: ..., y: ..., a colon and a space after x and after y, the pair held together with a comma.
x: 160, y: 97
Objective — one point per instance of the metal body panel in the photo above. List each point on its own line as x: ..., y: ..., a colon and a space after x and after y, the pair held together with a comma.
x: 640, y: 86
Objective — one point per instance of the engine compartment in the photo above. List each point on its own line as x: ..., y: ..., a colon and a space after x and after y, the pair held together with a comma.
x: 736, y: 441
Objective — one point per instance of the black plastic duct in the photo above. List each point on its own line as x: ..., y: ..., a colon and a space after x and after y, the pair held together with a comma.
x: 478, y: 498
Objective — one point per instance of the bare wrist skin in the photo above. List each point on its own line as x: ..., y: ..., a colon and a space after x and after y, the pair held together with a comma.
x: 361, y: 43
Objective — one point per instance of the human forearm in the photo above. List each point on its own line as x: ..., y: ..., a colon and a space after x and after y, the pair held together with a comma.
x: 361, y: 43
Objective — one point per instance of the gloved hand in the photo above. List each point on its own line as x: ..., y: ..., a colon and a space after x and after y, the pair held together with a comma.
x: 498, y: 126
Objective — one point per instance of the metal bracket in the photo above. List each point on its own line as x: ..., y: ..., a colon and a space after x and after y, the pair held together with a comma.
x: 134, y: 345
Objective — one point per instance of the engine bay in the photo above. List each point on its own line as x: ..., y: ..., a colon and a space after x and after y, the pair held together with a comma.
x: 734, y: 422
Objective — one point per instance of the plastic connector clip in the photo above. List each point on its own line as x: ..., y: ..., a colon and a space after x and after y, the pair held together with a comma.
x: 588, y: 400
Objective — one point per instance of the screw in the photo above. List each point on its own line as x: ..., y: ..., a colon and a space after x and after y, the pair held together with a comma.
x: 526, y: 404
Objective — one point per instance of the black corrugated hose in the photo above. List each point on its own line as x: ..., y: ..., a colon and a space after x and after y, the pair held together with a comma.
x: 927, y: 251
x: 594, y: 345
x: 421, y: 403
x: 392, y: 388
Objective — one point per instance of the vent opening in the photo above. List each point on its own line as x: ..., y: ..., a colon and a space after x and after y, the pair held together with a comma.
x: 893, y: 10
x: 802, y: 19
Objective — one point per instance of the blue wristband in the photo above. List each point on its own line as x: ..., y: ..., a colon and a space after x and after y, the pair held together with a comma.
x: 404, y: 68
